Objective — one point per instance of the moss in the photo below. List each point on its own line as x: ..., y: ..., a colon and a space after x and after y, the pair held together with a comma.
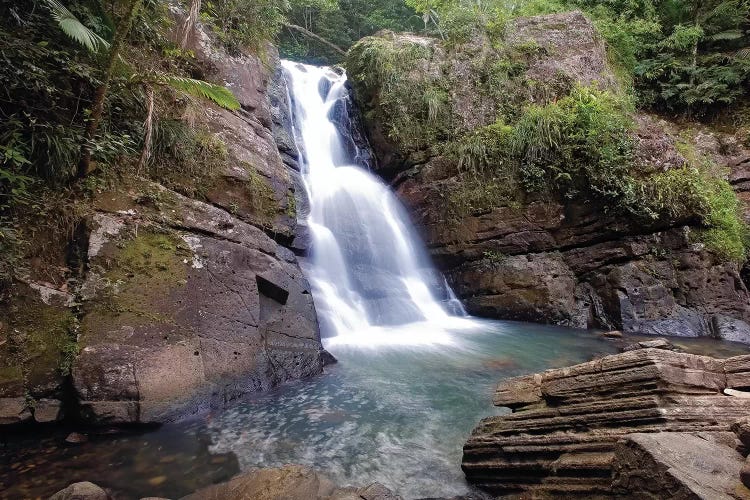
x: 261, y: 194
x: 291, y: 204
x: 35, y: 352
x: 140, y: 276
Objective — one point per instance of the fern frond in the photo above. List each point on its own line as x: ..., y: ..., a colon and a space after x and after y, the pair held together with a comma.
x: 726, y: 35
x: 217, y: 93
x: 71, y: 26
x: 742, y: 54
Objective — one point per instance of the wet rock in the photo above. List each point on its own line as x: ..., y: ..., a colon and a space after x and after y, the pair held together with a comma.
x: 328, y: 358
x: 14, y: 411
x: 47, y: 410
x: 76, y: 438
x: 81, y: 491
x: 614, y: 334
x: 561, y: 438
x: 650, y: 344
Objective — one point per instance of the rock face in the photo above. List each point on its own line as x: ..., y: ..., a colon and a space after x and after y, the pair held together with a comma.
x: 179, y: 302
x: 187, y: 306
x: 562, y: 261
x: 607, y: 426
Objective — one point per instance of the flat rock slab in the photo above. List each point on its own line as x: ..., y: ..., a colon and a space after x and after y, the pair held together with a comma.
x: 679, y: 465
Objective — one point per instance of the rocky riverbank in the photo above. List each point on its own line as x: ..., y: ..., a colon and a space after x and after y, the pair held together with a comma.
x: 647, y: 423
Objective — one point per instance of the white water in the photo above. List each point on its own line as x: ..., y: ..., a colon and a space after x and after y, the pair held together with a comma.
x: 371, y: 278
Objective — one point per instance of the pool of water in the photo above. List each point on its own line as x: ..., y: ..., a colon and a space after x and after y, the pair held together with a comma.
x: 396, y: 414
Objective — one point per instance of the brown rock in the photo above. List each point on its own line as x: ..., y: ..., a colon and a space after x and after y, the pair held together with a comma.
x: 614, y: 334
x: 81, y: 491
x: 76, y: 438
x: 560, y: 439
x: 742, y: 428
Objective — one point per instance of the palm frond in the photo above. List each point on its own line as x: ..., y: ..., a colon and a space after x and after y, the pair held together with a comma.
x: 71, y: 26
x: 217, y: 93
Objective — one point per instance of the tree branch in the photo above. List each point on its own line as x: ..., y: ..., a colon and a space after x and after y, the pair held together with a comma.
x: 317, y: 38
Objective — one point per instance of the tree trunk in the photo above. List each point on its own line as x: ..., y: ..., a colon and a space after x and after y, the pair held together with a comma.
x: 97, y: 109
x: 188, y: 27
x: 148, y: 128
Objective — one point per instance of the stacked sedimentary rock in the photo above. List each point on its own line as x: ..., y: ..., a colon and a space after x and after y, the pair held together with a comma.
x: 563, y: 433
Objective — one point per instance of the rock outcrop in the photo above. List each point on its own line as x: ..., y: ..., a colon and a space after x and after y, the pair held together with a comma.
x: 561, y: 261
x: 182, y: 295
x: 609, y: 426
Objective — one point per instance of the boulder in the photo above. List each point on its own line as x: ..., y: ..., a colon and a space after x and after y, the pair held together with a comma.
x: 81, y: 491
x: 185, y: 309
x: 566, y: 423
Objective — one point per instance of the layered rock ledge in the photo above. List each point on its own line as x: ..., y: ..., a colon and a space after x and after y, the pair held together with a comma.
x: 648, y: 422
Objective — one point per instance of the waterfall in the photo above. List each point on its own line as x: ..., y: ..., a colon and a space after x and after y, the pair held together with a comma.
x: 371, y: 277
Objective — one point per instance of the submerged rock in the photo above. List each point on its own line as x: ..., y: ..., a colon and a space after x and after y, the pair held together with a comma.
x: 562, y: 437
x: 81, y: 491
x: 290, y: 482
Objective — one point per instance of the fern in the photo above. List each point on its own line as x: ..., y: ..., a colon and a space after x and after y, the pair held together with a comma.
x: 217, y: 93
x: 71, y: 26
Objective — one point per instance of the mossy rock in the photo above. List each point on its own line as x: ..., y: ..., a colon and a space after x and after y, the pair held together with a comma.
x: 138, y: 276
x: 38, y: 346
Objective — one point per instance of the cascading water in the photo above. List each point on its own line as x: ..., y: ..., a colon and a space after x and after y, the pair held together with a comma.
x: 369, y: 271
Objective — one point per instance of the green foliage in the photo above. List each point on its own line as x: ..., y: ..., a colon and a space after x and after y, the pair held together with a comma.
x: 414, y: 104
x: 244, y: 23
x: 198, y: 88
x: 76, y: 30
x: 691, y: 193
x: 186, y: 159
x: 342, y: 22
x: 580, y: 145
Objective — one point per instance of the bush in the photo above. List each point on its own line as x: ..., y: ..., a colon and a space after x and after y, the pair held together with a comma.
x: 578, y: 146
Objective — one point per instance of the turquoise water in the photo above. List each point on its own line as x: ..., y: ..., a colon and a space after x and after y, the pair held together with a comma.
x: 399, y: 415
